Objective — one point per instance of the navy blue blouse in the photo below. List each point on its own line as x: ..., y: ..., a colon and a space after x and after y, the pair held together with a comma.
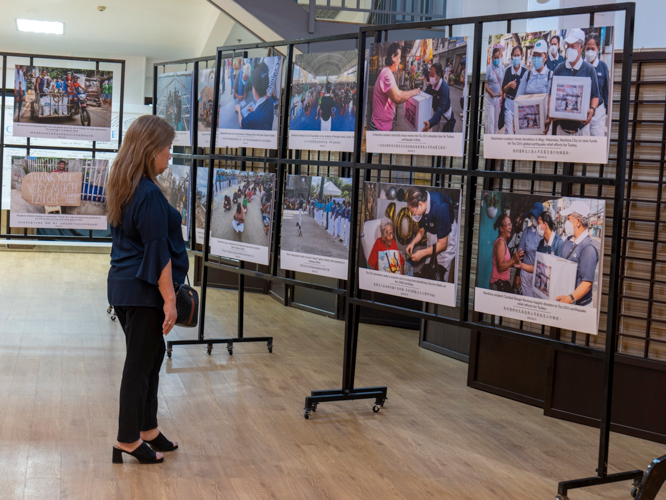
x: 148, y: 236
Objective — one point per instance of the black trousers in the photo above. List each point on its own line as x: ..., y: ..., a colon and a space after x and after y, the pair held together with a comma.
x: 141, y: 374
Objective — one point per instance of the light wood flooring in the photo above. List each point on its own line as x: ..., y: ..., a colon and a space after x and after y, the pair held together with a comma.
x: 239, y: 419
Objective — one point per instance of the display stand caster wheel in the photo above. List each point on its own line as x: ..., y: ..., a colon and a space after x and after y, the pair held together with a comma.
x: 306, y: 415
x: 113, y: 317
x: 209, y: 349
x: 270, y: 348
x: 314, y: 407
x: 561, y: 497
x: 376, y: 408
x: 634, y: 492
x: 108, y: 311
x: 168, y: 353
x: 230, y: 349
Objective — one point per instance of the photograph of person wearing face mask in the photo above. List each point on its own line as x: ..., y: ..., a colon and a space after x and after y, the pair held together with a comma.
x: 512, y: 80
x: 493, y: 95
x: 592, y: 49
x: 442, y: 113
x: 555, y: 58
x: 559, y: 259
x: 575, y: 66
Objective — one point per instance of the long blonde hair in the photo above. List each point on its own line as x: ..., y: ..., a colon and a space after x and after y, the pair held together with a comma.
x: 145, y: 137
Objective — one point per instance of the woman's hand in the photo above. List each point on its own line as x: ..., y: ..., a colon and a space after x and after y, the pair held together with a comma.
x: 170, y: 317
x: 517, y: 257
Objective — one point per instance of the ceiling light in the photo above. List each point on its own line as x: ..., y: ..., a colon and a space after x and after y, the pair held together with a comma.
x: 50, y: 27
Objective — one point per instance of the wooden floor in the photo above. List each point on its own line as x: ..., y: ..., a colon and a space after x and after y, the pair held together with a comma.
x: 239, y: 419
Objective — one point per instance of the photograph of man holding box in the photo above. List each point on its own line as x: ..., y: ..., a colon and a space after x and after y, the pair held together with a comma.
x: 576, y: 66
x: 580, y: 250
x: 442, y: 116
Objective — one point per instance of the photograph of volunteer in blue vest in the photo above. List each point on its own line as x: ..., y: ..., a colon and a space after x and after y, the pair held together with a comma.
x: 250, y: 90
x: 542, y: 248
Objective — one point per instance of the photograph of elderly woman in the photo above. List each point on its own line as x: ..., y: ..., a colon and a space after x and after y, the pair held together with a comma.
x: 554, y: 83
x: 410, y: 231
x: 540, y: 247
x: 174, y: 100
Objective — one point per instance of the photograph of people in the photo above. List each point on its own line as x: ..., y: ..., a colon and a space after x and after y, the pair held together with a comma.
x: 436, y: 218
x: 530, y: 64
x: 176, y: 183
x: 385, y: 255
x: 206, y: 97
x: 242, y: 213
x: 174, y: 101
x: 323, y: 92
x: 576, y: 66
x: 252, y: 99
x: 48, y: 97
x: 431, y: 72
x: 493, y: 92
x: 308, y: 231
x: 553, y: 242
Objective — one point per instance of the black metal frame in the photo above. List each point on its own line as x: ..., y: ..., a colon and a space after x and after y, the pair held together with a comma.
x: 93, y: 149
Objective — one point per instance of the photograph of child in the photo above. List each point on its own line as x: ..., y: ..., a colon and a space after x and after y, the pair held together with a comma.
x: 176, y: 182
x: 250, y: 92
x: 543, y: 248
x: 242, y: 215
x: 322, y: 100
x: 50, y: 101
x: 316, y: 221
x: 174, y: 100
x: 411, y: 231
x: 70, y: 192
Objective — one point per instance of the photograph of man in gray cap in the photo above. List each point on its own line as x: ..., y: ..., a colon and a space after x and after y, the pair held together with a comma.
x: 579, y: 248
x: 576, y: 66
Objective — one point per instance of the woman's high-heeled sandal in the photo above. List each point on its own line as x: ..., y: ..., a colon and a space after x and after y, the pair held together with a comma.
x: 161, y: 443
x: 144, y: 454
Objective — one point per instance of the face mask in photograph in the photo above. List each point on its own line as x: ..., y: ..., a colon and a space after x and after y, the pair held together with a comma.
x: 553, y: 49
x: 516, y: 61
x: 433, y: 81
x: 537, y: 62
x: 568, y: 228
x: 496, y: 62
x: 416, y: 218
x: 572, y: 55
x: 590, y: 55
x: 540, y: 231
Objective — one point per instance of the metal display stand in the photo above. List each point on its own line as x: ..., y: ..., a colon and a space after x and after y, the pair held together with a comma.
x: 5, y: 233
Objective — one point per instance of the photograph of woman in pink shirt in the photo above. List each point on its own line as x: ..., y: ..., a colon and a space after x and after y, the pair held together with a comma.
x: 386, y: 93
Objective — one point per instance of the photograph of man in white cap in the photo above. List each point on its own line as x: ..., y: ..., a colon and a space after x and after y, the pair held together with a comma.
x: 576, y: 66
x: 579, y: 248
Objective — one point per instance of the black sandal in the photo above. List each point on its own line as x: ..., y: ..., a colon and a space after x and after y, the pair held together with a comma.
x: 161, y: 443
x: 143, y: 453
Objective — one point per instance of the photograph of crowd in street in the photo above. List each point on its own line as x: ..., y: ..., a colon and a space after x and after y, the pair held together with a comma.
x: 52, y: 100
x: 206, y: 96
x: 543, y: 248
x: 250, y: 92
x: 322, y: 101
x: 416, y: 86
x: 316, y: 220
x: 202, y: 194
x: 176, y: 183
x: 555, y: 83
x: 174, y: 100
x: 64, y: 193
x: 242, y: 215
x: 412, y: 232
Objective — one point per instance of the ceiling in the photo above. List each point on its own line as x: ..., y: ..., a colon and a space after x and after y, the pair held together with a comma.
x: 155, y: 29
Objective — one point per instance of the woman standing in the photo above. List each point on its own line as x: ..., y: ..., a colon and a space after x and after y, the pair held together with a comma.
x: 500, y: 277
x: 386, y: 93
x: 598, y: 122
x: 239, y: 221
x: 148, y: 256
x: 493, y: 94
x: 510, y: 85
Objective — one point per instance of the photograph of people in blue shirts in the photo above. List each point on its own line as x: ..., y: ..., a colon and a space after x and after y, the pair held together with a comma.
x: 550, y: 242
x: 575, y: 66
x: 493, y: 93
x: 539, y: 78
x: 529, y: 242
x: 442, y: 115
x: 555, y: 58
x: 582, y: 251
x: 259, y: 116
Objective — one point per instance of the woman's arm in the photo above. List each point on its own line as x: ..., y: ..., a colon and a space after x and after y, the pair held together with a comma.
x: 503, y: 265
x: 165, y: 284
x: 398, y: 96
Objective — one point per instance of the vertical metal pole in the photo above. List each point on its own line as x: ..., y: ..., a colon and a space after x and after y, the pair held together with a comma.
x: 241, y: 299
x: 282, y: 154
x: 122, y: 104
x: 470, y: 194
x: 154, y: 90
x: 312, y: 16
x: 209, y: 195
x: 2, y: 129
x: 194, y: 127
x: 613, y: 286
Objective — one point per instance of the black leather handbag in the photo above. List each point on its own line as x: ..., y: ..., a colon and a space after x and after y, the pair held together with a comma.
x: 187, y: 305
